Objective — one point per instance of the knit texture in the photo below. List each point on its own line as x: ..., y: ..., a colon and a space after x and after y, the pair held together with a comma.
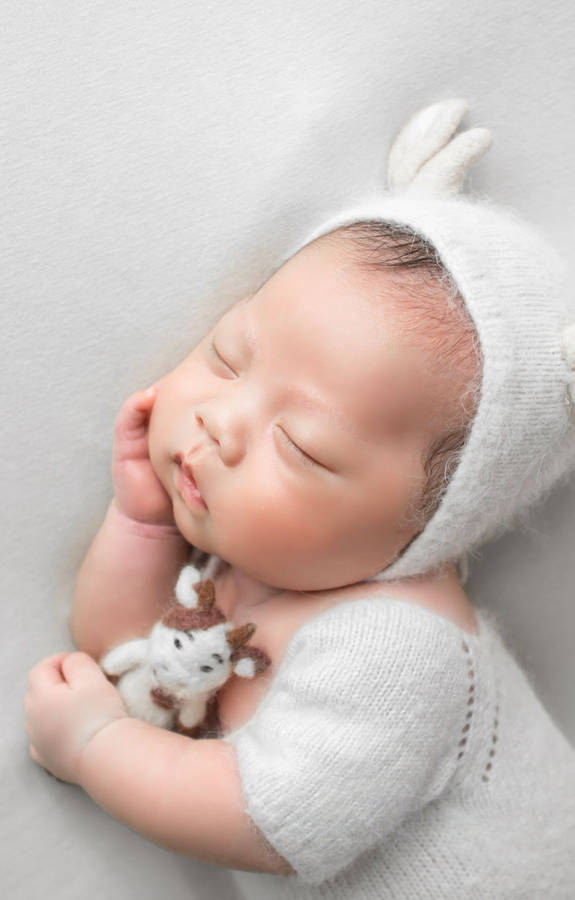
x: 396, y: 756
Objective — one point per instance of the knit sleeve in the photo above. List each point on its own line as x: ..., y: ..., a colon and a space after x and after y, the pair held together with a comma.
x: 358, y: 729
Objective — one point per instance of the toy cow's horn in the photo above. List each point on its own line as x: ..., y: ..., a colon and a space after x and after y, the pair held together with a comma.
x: 206, y: 595
x: 237, y: 637
x: 187, y: 586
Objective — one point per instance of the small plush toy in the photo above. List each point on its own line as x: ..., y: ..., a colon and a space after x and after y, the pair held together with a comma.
x: 171, y: 678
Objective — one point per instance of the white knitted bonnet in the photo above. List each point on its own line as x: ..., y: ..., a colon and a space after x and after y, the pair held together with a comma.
x: 522, y: 439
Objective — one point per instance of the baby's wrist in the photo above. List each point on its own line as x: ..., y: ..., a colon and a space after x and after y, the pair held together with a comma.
x: 144, y: 529
x: 89, y: 753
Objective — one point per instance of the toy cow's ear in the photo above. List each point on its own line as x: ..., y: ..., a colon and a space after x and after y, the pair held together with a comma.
x: 568, y: 351
x: 245, y: 668
x: 250, y: 661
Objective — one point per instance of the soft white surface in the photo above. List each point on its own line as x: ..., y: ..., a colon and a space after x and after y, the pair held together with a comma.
x: 157, y: 158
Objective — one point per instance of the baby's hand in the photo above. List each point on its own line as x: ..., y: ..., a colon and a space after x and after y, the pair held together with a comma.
x: 138, y: 491
x: 69, y: 700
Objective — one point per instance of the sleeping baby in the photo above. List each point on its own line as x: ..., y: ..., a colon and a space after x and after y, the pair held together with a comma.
x: 396, y: 393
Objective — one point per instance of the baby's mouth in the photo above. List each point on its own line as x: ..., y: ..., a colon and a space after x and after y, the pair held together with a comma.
x: 188, y: 486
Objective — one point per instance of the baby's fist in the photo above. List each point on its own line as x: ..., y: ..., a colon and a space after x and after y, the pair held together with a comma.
x: 69, y: 701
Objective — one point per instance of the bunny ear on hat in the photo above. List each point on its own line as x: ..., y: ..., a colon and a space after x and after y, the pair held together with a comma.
x: 425, y: 158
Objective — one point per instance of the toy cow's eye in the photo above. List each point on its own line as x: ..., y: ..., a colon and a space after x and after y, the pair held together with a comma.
x: 218, y: 657
x: 191, y: 636
x: 206, y: 668
x: 178, y: 643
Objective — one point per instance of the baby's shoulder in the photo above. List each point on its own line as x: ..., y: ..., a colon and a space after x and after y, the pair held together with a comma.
x: 351, y: 640
x: 376, y: 638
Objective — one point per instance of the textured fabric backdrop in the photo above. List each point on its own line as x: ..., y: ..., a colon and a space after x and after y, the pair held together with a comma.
x: 157, y: 159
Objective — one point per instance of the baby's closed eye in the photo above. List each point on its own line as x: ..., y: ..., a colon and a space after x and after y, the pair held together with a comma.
x: 305, y: 457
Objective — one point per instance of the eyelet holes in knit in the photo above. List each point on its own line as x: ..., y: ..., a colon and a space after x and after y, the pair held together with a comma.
x: 470, y: 700
x: 469, y: 716
x: 494, y: 738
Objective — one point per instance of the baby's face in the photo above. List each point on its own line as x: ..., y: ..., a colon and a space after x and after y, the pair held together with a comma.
x: 314, y: 360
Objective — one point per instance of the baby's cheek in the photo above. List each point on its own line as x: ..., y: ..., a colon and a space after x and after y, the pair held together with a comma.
x: 279, y: 524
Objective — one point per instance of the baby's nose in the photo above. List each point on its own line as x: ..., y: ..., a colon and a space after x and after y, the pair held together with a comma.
x: 226, y: 425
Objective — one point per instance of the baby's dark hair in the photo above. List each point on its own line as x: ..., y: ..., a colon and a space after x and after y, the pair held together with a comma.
x: 432, y: 309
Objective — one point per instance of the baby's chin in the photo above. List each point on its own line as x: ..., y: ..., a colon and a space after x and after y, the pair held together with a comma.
x: 187, y: 527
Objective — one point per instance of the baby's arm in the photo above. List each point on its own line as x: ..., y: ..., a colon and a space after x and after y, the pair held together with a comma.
x: 125, y: 582
x: 182, y: 794
x: 130, y: 571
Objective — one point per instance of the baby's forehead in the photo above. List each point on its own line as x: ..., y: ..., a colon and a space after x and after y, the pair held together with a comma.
x: 321, y: 294
x: 328, y: 267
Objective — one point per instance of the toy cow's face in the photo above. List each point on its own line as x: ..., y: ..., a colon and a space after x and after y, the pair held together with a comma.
x: 193, y: 660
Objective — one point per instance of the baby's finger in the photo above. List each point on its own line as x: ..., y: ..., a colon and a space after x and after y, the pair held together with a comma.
x: 79, y: 668
x: 152, y: 391
x: 141, y: 401
x: 47, y: 672
x: 132, y: 420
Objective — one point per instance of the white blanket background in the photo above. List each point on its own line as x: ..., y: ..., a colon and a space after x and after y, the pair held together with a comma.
x: 157, y: 158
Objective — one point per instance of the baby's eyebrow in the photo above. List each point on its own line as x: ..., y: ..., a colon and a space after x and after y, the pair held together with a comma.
x: 249, y: 333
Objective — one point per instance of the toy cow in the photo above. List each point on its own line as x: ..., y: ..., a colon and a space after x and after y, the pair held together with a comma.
x: 171, y: 678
